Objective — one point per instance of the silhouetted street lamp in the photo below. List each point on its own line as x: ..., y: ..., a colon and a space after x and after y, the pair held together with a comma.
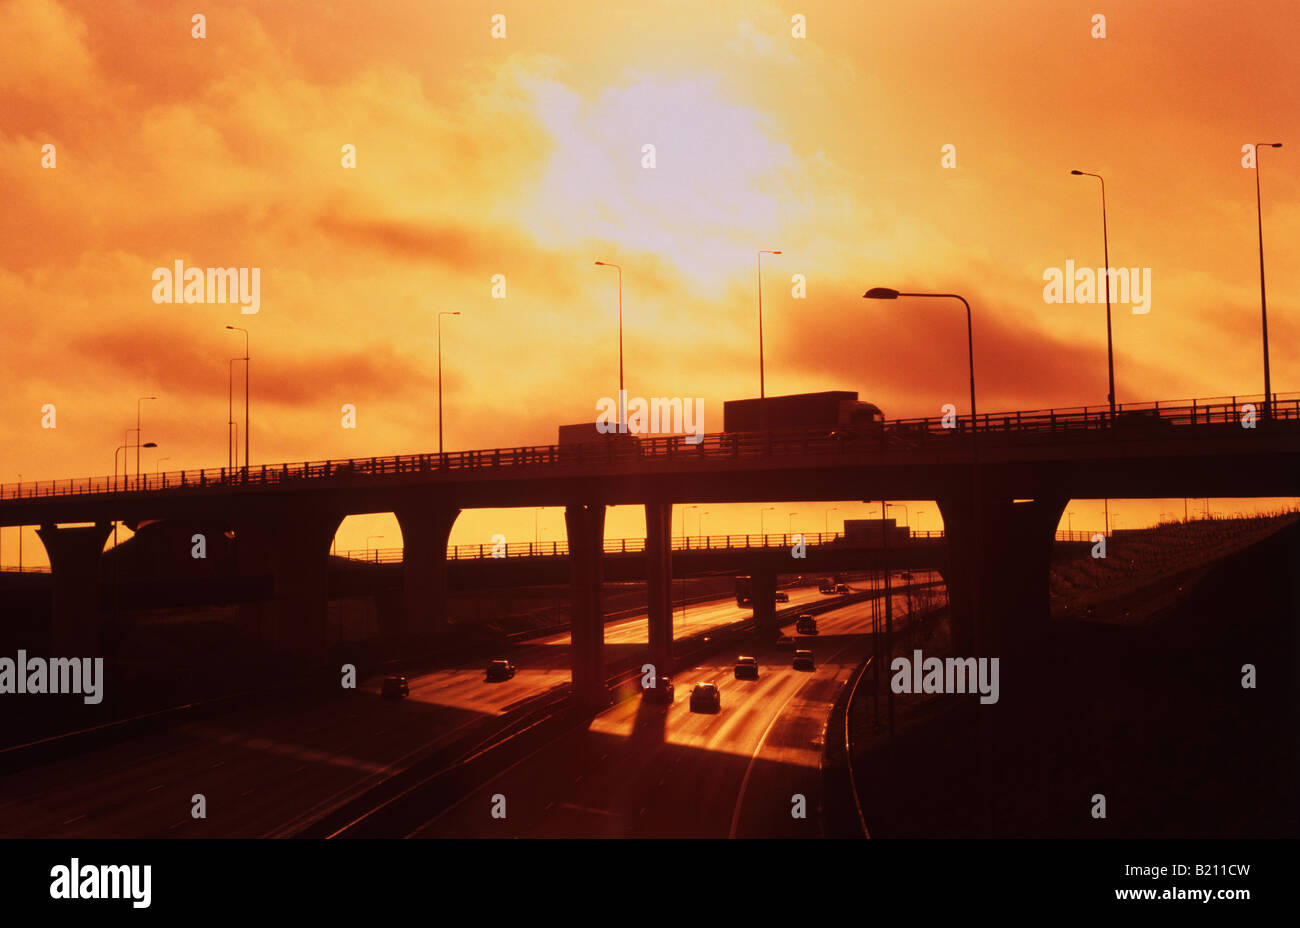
x: 762, y: 389
x: 247, y: 364
x: 1105, y: 245
x: 761, y: 525
x: 826, y: 518
x: 907, y: 519
x: 1263, y: 303
x: 789, y: 523
x: 138, y: 436
x: 622, y: 411
x: 440, y: 315
x: 885, y: 293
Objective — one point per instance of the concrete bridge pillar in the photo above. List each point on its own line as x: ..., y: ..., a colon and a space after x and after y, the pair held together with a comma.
x: 763, y: 595
x: 585, y: 523
x: 659, y: 578
x: 292, y: 544
x: 74, y: 554
x: 426, y: 526
x: 999, y: 567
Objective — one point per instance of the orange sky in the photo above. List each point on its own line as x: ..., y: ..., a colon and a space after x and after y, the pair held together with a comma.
x: 522, y: 156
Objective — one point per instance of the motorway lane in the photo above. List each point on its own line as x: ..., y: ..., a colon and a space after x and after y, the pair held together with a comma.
x: 260, y: 770
x: 640, y: 770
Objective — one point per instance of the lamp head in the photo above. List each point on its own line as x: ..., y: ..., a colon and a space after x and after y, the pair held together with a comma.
x: 150, y: 444
x: 1076, y: 172
x: 880, y: 293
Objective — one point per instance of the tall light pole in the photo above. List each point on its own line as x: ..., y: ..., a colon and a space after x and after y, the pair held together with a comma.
x: 20, y: 529
x: 826, y: 518
x: 247, y: 364
x: 1069, y: 522
x: 157, y: 465
x: 622, y: 407
x: 138, y: 435
x: 700, y: 525
x: 789, y: 523
x: 1263, y: 303
x: 232, y: 431
x: 762, y: 388
x: 886, y: 293
x: 762, y: 530
x: 535, y: 512
x: 440, y: 315
x: 1105, y: 245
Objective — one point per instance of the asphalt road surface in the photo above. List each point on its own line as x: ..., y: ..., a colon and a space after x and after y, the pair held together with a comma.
x: 265, y: 772
x: 644, y: 770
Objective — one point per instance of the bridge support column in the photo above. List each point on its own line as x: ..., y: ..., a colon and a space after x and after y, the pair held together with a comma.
x: 74, y: 554
x: 763, y: 595
x: 659, y: 578
x: 585, y: 523
x: 426, y: 526
x: 292, y: 543
x: 1011, y: 545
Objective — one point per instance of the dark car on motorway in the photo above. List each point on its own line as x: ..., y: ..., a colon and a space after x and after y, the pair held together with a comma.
x: 661, y: 692
x: 785, y: 643
x: 841, y: 588
x: 805, y: 625
x: 706, y: 698
x: 746, y: 667
x: 500, y: 670
x: 803, y: 660
x: 394, y: 687
x: 782, y: 596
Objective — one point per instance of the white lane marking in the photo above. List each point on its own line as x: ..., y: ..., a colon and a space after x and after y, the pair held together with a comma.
x: 740, y: 798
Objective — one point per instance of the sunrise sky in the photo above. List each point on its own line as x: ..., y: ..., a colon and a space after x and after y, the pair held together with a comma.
x: 522, y: 156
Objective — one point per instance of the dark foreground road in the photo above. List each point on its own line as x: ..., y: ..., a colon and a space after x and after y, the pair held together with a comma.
x: 640, y: 770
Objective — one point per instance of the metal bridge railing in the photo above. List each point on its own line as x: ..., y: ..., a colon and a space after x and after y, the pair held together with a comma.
x: 1132, y: 421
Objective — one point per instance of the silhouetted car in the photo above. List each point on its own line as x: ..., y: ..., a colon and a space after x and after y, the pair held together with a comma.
x: 782, y: 596
x: 746, y: 667
x: 826, y: 586
x: 803, y: 660
x: 785, y: 643
x: 500, y: 670
x: 841, y: 588
x: 805, y: 625
x: 394, y: 688
x: 1136, y: 420
x: 661, y: 692
x: 706, y: 698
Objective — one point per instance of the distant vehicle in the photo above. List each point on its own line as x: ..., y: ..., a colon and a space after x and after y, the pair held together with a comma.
x: 394, y: 687
x: 1129, y: 420
x: 841, y: 588
x: 785, y: 643
x: 803, y: 660
x: 661, y: 692
x: 706, y: 698
x: 805, y: 625
x: 500, y: 670
x: 907, y: 575
x: 834, y: 411
x: 782, y: 596
x: 744, y: 591
x: 746, y: 667
x: 826, y: 586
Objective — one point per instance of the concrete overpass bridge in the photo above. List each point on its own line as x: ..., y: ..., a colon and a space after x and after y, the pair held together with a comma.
x: 1001, y: 483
